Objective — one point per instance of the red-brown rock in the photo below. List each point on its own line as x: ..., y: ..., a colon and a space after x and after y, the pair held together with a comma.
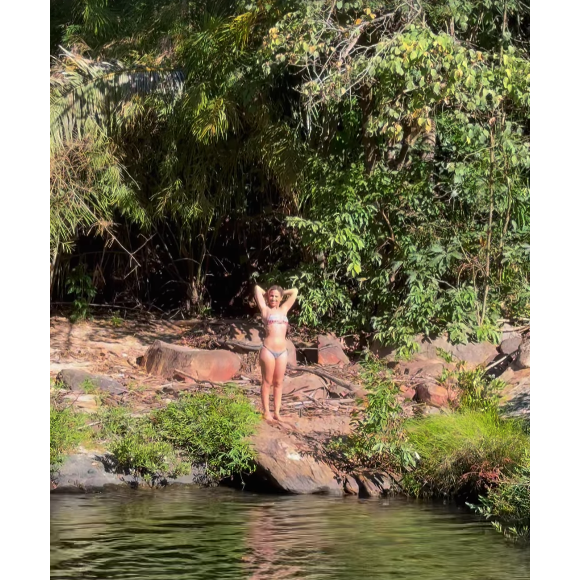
x: 281, y: 460
x: 163, y: 359
x: 330, y: 351
x: 432, y: 394
x: 408, y: 392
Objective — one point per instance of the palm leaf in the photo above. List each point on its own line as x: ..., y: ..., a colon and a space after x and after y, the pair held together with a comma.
x: 88, y: 95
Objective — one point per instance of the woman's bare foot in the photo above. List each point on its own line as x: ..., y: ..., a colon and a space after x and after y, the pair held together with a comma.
x: 278, y: 418
x: 268, y: 417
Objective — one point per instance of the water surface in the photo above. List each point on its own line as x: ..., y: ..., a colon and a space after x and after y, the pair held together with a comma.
x: 186, y: 533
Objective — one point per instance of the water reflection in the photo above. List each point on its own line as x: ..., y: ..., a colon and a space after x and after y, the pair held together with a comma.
x: 209, y: 534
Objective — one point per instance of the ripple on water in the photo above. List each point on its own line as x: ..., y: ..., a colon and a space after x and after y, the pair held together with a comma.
x: 193, y: 534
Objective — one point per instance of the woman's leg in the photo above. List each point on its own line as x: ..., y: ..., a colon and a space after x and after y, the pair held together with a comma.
x: 278, y: 381
x: 267, y: 364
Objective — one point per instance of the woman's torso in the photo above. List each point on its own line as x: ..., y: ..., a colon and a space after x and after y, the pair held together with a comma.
x: 276, y: 324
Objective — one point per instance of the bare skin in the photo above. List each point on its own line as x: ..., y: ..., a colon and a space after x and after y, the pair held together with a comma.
x: 273, y: 368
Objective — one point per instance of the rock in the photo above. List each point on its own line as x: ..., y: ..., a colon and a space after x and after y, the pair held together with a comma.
x: 511, y: 340
x: 372, y: 484
x: 296, y: 386
x: 423, y: 367
x: 163, y: 359
x: 408, y: 392
x: 80, y: 402
x: 327, y: 425
x: 291, y: 352
x: 523, y: 355
x: 429, y: 410
x: 330, y: 351
x: 80, y: 381
x: 385, y: 352
x: 515, y: 398
x: 251, y: 332
x: 474, y: 354
x: 285, y: 466
x: 83, y: 472
x: 87, y: 471
x: 351, y: 485
x: 432, y: 394
x: 510, y: 345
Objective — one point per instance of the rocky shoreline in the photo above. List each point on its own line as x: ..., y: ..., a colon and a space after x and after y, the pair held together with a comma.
x: 150, y: 363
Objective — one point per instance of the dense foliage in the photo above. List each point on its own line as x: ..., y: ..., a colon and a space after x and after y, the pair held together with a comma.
x: 373, y: 154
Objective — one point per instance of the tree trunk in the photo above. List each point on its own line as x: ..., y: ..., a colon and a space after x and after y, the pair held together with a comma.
x: 370, y: 146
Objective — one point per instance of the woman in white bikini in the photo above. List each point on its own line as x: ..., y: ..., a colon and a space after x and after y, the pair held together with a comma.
x: 273, y: 355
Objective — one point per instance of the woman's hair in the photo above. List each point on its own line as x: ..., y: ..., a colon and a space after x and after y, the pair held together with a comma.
x: 275, y: 287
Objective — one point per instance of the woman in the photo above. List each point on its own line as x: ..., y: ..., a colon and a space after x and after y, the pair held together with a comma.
x: 273, y: 355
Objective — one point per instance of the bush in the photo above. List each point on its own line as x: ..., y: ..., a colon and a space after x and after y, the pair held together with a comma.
x: 142, y: 450
x: 211, y: 429
x: 200, y: 428
x: 66, y: 431
x: 378, y: 439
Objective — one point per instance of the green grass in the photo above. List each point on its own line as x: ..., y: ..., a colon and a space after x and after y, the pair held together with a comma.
x: 464, y: 454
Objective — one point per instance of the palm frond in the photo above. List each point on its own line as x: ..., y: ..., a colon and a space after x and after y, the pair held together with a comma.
x: 87, y: 95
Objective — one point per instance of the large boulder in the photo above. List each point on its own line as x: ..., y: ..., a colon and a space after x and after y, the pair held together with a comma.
x: 291, y: 352
x: 81, y: 381
x: 282, y: 461
x: 474, y: 354
x: 87, y: 471
x: 251, y: 333
x: 423, y: 367
x: 288, y: 461
x: 163, y: 359
x: 330, y: 351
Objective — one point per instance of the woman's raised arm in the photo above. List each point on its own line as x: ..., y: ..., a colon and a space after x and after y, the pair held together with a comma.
x: 259, y: 294
x: 291, y: 294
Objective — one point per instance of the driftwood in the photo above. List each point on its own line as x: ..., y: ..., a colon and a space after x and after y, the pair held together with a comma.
x: 342, y: 383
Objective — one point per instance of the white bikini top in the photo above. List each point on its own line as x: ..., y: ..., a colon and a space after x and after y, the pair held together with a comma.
x: 277, y: 319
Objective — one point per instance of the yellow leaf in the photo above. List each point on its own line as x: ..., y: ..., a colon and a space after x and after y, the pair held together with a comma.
x: 357, y: 21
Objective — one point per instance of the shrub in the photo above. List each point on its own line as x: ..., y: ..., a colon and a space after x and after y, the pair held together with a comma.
x: 66, y: 431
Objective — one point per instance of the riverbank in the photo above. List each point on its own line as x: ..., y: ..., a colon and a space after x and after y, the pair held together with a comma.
x: 143, y: 367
